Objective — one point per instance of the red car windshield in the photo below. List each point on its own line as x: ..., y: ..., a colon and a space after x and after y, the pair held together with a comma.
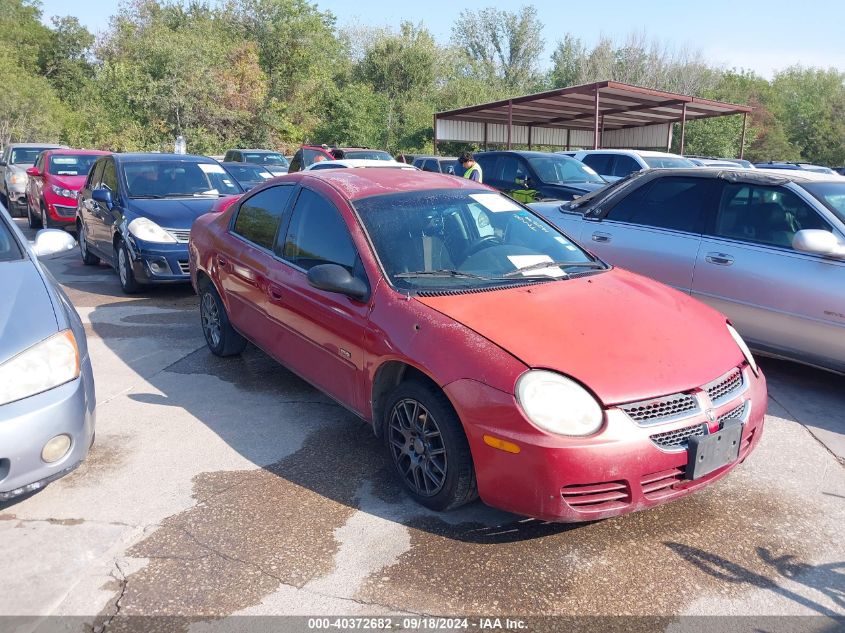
x: 70, y: 164
x: 453, y: 238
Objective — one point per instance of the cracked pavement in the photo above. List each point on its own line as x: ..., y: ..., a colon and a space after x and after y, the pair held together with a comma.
x: 229, y: 486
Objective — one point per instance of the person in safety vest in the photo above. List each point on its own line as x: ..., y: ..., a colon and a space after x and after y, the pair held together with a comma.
x: 472, y: 170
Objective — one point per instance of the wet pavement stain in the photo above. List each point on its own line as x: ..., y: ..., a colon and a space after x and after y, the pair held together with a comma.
x: 252, y: 531
x: 644, y: 563
x: 106, y: 454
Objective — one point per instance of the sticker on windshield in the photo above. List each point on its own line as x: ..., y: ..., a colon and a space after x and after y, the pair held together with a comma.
x: 494, y: 202
x: 524, y: 261
x: 211, y: 169
x: 561, y: 239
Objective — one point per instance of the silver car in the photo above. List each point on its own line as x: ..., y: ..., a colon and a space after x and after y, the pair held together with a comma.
x: 765, y: 248
x: 15, y: 160
x: 46, y: 386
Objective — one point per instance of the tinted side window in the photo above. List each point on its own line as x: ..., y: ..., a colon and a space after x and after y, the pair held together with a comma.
x: 668, y: 203
x: 764, y: 215
x: 430, y: 165
x: 510, y: 169
x: 109, y: 176
x: 228, y: 157
x: 296, y: 162
x: 310, y: 156
x: 487, y: 165
x: 95, y: 176
x: 318, y: 234
x: 39, y: 164
x: 624, y: 165
x: 599, y: 163
x: 259, y: 217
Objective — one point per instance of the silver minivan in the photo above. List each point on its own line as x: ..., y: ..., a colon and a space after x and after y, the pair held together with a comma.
x: 767, y: 249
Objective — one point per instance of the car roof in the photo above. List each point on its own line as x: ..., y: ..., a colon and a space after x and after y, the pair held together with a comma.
x: 137, y: 157
x: 429, y: 156
x: 743, y: 174
x: 257, y: 149
x: 361, y: 162
x: 637, y: 152
x: 44, y: 145
x: 71, y: 150
x: 355, y: 184
x: 519, y: 152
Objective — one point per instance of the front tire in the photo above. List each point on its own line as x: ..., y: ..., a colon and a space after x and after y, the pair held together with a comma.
x: 222, y: 339
x: 428, y: 447
x: 87, y: 258
x: 124, y: 270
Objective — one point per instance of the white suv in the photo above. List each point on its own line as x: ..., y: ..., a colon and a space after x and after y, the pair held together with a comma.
x: 613, y: 164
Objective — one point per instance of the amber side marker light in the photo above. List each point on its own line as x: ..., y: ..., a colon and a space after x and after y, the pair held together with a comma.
x: 502, y: 445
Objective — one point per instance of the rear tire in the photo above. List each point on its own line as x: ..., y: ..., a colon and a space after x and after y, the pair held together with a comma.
x: 124, y: 270
x: 34, y: 223
x: 428, y: 447
x: 87, y: 258
x: 222, y: 339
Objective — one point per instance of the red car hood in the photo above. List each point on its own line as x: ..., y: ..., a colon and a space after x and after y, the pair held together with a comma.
x: 74, y: 183
x: 624, y: 336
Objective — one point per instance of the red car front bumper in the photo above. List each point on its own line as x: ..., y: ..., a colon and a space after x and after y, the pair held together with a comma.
x: 620, y: 469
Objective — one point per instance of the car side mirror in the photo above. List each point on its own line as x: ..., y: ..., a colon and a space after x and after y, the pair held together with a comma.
x: 102, y: 195
x: 818, y: 242
x: 334, y: 278
x: 33, y: 171
x: 52, y: 241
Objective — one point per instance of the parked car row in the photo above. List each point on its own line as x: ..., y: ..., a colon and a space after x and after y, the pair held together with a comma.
x: 495, y: 355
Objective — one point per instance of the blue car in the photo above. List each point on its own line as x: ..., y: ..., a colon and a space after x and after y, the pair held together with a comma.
x: 47, y: 398
x: 135, y: 213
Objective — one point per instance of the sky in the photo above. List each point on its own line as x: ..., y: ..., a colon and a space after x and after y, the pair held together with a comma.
x: 763, y: 36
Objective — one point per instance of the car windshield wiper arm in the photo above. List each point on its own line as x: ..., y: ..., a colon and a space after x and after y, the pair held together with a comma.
x: 441, y: 273
x: 542, y: 265
x: 151, y: 196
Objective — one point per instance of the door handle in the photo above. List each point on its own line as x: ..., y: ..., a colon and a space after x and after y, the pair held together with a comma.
x: 274, y: 293
x: 599, y: 236
x: 222, y: 262
x: 721, y: 259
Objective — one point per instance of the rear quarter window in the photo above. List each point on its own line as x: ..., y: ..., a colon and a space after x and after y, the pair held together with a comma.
x: 10, y: 250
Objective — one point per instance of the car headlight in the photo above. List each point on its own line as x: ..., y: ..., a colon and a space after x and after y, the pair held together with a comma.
x: 558, y: 404
x: 148, y: 231
x: 50, y: 363
x: 17, y: 179
x: 64, y: 193
x: 744, y: 348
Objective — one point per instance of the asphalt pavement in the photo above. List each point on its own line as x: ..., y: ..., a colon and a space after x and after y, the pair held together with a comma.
x: 221, y: 487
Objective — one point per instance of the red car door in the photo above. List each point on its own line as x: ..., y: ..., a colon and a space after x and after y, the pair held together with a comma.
x: 325, y: 330
x: 244, y: 260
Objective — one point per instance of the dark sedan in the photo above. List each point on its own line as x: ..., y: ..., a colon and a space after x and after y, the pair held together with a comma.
x: 536, y: 176
x: 247, y: 174
x: 135, y: 212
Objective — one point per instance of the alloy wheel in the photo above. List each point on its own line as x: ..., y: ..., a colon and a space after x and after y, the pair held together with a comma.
x: 417, y: 447
x: 210, y: 319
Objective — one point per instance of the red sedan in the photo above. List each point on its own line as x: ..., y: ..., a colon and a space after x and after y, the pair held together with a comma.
x: 494, y: 356
x: 54, y: 184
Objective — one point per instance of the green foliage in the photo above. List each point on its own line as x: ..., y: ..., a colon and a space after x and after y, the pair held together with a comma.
x: 275, y: 73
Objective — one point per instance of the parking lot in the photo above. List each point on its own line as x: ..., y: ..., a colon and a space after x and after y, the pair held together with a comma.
x: 229, y: 486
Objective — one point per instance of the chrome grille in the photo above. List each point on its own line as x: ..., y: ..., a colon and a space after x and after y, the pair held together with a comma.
x: 679, y: 438
x: 724, y: 387
x: 657, y: 410
x: 184, y: 267
x: 737, y: 412
x: 181, y: 235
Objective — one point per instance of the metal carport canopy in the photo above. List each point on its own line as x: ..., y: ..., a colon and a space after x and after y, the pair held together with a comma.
x: 598, y: 108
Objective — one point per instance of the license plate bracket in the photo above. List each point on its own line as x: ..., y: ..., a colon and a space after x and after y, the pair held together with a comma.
x: 711, y: 452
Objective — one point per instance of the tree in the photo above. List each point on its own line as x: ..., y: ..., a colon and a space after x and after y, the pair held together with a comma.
x: 63, y: 57
x: 501, y: 46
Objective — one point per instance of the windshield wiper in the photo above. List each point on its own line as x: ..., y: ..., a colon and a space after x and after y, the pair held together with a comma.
x: 149, y: 196
x: 542, y: 265
x: 442, y: 273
